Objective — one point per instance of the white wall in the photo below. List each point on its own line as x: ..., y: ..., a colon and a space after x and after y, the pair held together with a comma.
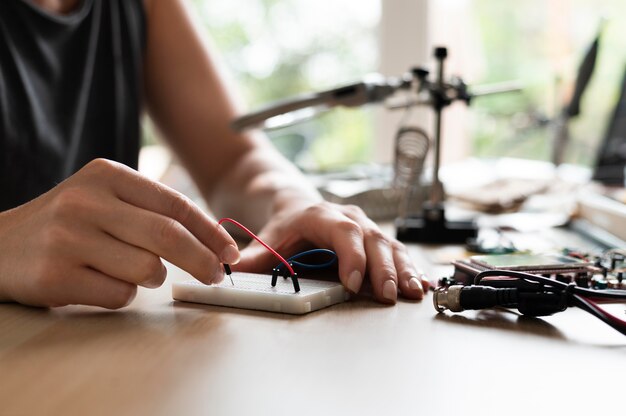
x: 404, y: 43
x: 409, y: 30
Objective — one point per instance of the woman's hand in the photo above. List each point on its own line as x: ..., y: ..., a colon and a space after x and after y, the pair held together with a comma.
x: 244, y: 177
x: 360, y: 245
x: 96, y: 236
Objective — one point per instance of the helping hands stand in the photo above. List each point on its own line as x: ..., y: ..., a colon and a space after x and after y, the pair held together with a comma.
x: 432, y: 226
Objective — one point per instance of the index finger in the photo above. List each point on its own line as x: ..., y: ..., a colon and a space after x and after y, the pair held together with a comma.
x: 135, y: 189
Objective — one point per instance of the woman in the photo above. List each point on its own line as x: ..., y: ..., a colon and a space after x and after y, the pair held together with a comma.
x: 80, y: 226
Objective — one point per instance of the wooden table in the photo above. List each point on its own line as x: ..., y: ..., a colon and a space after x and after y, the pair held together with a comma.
x: 159, y: 357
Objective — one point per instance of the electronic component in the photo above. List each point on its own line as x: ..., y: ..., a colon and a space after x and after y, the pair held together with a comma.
x: 565, y: 267
x: 229, y: 273
x: 267, y: 293
x: 531, y: 294
x: 537, y: 285
x: 292, y: 261
x: 253, y: 291
x: 292, y: 273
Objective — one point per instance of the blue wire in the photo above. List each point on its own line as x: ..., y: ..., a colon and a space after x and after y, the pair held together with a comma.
x: 307, y: 266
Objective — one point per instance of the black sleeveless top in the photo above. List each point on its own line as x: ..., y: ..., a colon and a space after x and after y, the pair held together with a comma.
x: 70, y: 91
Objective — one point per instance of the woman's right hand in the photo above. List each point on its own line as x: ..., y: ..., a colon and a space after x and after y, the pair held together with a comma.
x: 96, y: 236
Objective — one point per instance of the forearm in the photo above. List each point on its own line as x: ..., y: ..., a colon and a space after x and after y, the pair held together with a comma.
x: 240, y: 175
x: 259, y: 184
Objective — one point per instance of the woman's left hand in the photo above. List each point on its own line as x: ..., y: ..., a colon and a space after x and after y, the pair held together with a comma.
x: 362, y: 249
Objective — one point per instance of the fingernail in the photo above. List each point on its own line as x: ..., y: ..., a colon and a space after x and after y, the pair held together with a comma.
x: 415, y: 284
x: 354, y: 281
x: 390, y: 290
x: 230, y: 255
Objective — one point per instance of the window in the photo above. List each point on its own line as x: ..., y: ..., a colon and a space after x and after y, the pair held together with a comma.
x: 540, y: 43
x: 280, y: 48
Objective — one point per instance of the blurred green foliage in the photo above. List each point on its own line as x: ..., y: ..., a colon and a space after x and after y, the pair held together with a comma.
x: 542, y: 43
x: 280, y: 48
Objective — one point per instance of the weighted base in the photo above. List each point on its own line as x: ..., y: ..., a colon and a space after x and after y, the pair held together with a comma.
x: 432, y: 227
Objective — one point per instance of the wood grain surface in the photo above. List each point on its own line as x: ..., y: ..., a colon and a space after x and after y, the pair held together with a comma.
x: 160, y: 357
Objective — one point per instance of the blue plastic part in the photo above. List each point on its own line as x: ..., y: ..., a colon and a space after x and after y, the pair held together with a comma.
x: 308, y: 266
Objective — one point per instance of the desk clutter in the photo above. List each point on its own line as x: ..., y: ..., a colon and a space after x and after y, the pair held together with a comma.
x: 537, y: 285
x: 269, y: 292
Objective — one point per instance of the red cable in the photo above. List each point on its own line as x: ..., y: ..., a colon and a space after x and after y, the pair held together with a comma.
x: 251, y: 234
x: 608, y: 315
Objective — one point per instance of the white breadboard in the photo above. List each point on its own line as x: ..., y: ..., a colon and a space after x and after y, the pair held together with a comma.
x: 254, y: 291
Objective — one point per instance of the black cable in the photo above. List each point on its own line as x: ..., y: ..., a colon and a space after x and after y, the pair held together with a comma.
x: 571, y: 295
x: 604, y: 294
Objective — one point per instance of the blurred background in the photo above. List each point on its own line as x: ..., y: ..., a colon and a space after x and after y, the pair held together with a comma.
x: 279, y: 48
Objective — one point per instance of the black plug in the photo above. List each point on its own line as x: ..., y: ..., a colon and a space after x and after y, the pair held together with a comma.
x: 228, y: 272
x: 541, y: 304
x: 458, y: 298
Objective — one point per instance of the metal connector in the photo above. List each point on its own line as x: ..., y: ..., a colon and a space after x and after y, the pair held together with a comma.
x: 229, y: 273
x: 448, y: 298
